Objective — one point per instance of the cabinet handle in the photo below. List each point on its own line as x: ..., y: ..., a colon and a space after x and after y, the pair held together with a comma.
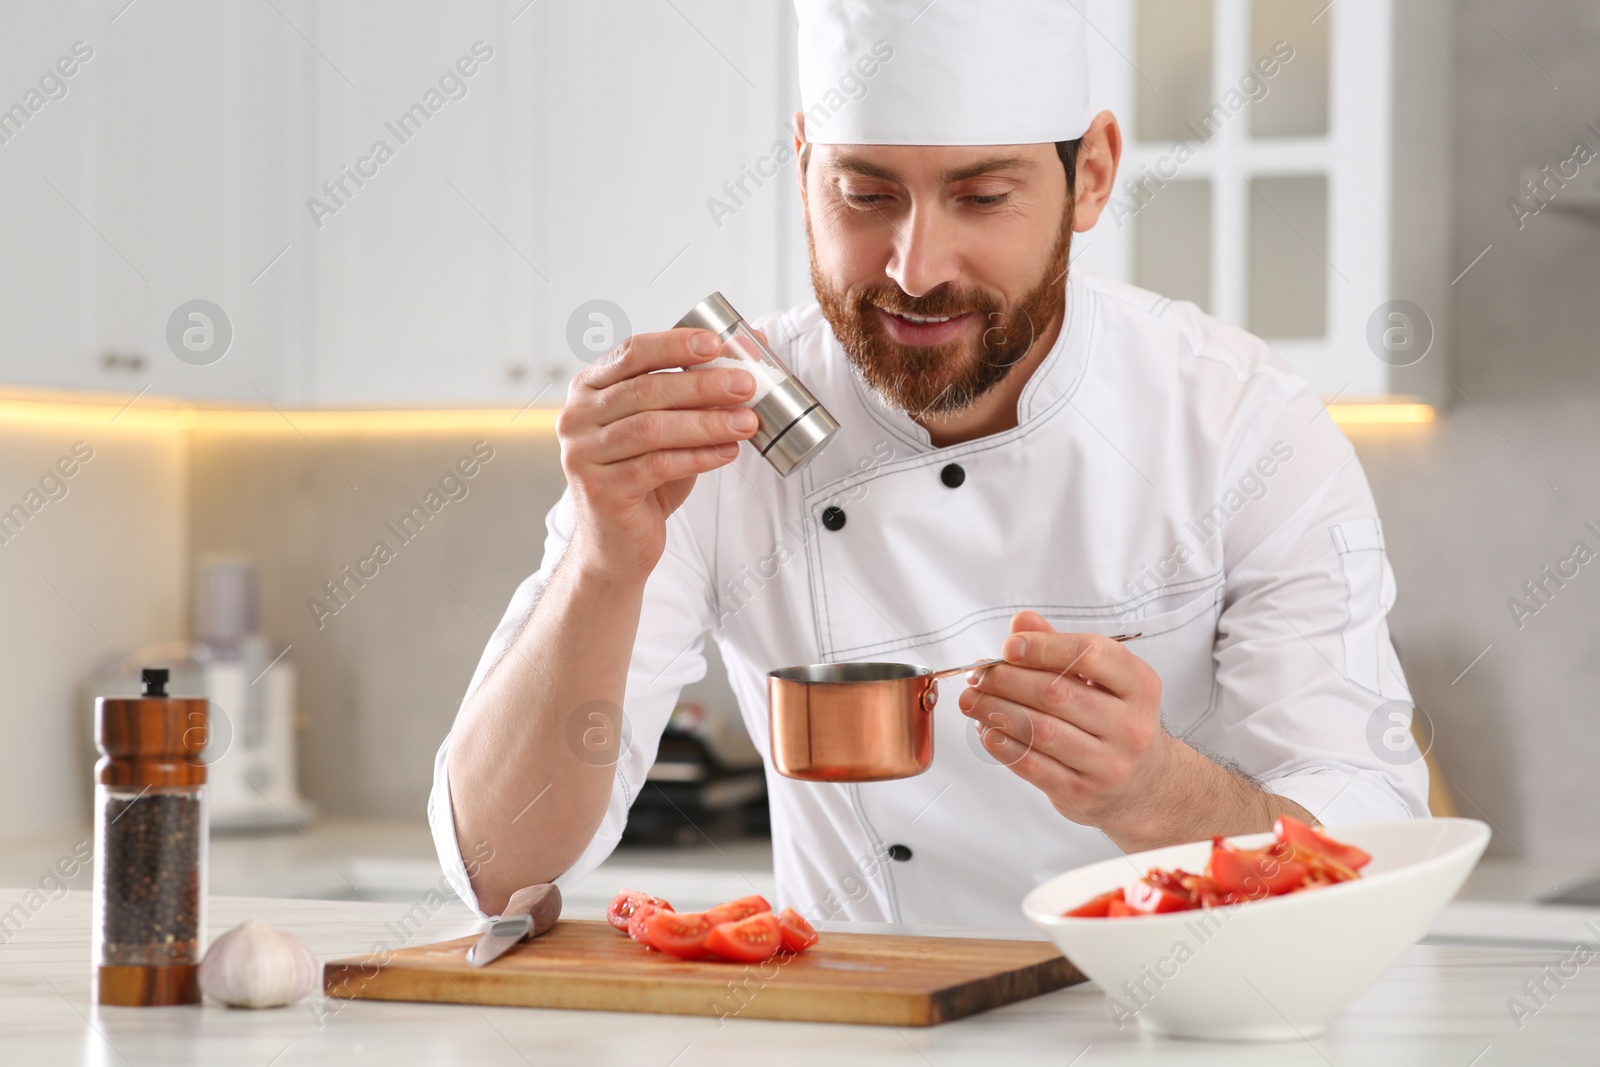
x: 116, y: 361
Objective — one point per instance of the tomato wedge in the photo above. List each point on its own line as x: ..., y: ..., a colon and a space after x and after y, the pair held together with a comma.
x: 1158, y: 892
x: 1301, y: 858
x: 1208, y: 894
x: 745, y: 941
x: 1294, y: 832
x: 735, y: 910
x: 1098, y: 908
x: 1255, y: 873
x: 798, y: 935
x: 683, y: 936
x: 636, y: 924
x: 624, y: 903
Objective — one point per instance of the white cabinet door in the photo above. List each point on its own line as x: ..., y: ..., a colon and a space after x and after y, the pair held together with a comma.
x: 675, y: 176
x: 45, y: 338
x: 578, y: 162
x: 414, y: 204
x: 154, y: 180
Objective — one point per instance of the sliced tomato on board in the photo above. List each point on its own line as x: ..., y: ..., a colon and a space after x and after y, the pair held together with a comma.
x: 735, y: 910
x: 1294, y: 832
x: 624, y: 904
x: 798, y: 935
x: 747, y: 940
x: 1097, y: 908
x: 636, y: 924
x: 681, y: 935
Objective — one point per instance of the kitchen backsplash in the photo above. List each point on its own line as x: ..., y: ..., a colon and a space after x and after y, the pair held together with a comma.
x: 94, y: 563
x: 386, y: 601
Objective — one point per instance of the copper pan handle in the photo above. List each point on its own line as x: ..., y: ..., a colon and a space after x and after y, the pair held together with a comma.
x: 936, y: 675
x: 980, y: 664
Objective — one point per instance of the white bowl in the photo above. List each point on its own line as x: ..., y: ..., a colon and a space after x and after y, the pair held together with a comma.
x: 1269, y: 970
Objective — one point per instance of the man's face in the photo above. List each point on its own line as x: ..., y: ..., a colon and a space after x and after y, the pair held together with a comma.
x: 901, y: 234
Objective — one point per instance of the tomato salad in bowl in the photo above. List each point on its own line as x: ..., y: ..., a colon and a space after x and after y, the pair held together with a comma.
x: 1272, y: 938
x: 740, y: 931
x: 1300, y: 858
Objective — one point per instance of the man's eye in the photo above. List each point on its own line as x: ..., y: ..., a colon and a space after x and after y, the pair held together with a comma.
x: 985, y: 201
x: 864, y: 199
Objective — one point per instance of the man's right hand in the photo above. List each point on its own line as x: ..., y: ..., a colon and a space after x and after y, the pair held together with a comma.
x: 633, y: 441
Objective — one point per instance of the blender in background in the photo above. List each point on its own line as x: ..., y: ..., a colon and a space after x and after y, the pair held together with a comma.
x: 250, y: 682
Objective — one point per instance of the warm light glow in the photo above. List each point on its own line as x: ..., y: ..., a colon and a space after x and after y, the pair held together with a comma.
x: 147, y: 414
x: 398, y: 420
x: 1381, y: 414
x: 167, y: 416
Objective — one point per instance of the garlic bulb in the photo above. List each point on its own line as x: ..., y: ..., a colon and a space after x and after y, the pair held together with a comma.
x: 255, y: 965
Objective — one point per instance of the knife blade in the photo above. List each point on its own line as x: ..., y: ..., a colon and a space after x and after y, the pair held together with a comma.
x: 530, y: 912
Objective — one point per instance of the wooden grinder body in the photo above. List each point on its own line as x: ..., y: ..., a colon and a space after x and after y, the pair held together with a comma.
x: 150, y: 848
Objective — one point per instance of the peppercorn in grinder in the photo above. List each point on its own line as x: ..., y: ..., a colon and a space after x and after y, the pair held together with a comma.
x: 150, y: 838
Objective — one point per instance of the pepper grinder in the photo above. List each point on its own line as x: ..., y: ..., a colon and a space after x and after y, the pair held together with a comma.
x: 150, y: 846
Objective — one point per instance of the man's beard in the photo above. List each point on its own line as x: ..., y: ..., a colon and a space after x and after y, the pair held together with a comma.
x: 941, y: 379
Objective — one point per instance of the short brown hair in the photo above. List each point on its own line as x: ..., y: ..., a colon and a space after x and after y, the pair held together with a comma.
x: 1067, y: 151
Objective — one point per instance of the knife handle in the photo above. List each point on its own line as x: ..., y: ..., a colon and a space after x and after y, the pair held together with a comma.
x: 540, y: 903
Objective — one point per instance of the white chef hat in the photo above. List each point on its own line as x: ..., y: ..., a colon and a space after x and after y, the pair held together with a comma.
x: 942, y: 72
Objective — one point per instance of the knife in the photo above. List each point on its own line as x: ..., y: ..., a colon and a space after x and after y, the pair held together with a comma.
x: 529, y: 913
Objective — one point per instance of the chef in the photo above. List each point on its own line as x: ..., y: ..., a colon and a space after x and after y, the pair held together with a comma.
x: 1032, y: 460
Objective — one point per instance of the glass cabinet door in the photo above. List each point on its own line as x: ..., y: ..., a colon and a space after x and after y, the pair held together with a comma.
x: 1256, y: 168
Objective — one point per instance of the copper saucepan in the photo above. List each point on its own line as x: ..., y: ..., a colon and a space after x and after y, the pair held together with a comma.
x: 856, y: 722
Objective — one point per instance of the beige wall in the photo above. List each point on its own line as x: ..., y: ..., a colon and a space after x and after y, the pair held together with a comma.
x: 96, y: 572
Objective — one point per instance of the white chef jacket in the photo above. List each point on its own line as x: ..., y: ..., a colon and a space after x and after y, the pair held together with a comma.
x: 1168, y: 475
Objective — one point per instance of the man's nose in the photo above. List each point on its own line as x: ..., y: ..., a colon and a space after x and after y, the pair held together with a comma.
x: 925, y: 255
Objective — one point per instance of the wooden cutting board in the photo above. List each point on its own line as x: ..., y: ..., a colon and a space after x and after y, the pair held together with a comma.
x: 879, y: 979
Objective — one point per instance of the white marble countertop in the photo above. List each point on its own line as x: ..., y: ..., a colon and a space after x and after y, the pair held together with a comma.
x: 1442, y: 1004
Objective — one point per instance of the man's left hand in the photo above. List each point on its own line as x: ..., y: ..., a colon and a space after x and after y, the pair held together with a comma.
x: 1079, y: 716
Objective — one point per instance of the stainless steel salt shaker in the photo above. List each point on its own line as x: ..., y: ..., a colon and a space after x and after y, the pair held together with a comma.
x: 793, y: 426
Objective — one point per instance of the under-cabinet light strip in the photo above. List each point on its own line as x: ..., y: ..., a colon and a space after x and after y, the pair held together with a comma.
x: 166, y: 416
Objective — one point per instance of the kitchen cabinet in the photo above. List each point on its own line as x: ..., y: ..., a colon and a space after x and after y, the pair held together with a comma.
x: 1287, y: 169
x: 152, y: 175
x: 392, y: 203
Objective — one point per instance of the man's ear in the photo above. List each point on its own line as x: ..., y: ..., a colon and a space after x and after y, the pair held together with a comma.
x: 799, y: 144
x: 1099, y: 152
